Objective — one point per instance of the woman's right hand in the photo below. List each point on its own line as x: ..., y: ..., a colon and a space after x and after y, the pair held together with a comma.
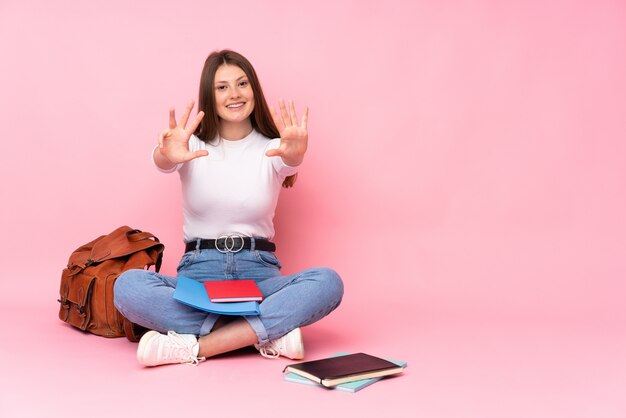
x: 174, y: 142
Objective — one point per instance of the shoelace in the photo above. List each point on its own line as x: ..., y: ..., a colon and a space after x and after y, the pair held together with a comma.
x: 268, y: 351
x: 183, y: 350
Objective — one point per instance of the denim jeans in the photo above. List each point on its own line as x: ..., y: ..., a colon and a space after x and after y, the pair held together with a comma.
x: 145, y: 297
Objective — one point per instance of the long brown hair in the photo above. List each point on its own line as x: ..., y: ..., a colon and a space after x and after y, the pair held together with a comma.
x: 261, y: 117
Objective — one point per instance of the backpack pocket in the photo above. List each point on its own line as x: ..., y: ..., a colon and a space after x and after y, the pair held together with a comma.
x: 75, y: 294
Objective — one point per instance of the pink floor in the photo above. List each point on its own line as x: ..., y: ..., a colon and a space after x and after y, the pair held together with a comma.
x: 457, y: 368
x: 465, y: 175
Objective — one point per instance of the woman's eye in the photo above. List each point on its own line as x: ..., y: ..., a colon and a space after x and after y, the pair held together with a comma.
x: 220, y: 88
x: 243, y: 83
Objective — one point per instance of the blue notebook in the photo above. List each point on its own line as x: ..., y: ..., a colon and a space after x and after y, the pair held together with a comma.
x: 344, y: 387
x: 193, y: 293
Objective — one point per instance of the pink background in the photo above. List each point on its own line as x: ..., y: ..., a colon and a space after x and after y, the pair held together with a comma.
x: 466, y: 176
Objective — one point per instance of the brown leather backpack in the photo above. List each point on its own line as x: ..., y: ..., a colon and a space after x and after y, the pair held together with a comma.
x: 87, y: 281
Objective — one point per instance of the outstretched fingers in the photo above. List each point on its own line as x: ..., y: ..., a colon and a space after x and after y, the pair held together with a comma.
x: 172, y: 118
x: 284, y: 113
x: 292, y: 113
x: 185, y: 118
x: 287, y: 116
x: 196, y: 154
x: 194, y: 125
x: 164, y: 134
x: 305, y: 118
x: 276, y: 152
x: 278, y: 121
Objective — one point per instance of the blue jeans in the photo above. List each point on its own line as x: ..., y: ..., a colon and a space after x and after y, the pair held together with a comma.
x: 145, y: 297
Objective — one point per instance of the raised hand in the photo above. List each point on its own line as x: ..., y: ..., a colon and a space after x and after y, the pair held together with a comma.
x: 293, y: 135
x: 174, y: 141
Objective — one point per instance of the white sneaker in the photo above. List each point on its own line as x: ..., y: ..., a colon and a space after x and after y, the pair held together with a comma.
x: 289, y: 345
x: 156, y: 349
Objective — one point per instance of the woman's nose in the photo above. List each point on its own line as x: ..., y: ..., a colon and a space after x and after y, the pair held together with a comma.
x: 234, y: 92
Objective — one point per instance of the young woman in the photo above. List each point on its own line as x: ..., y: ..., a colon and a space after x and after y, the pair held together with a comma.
x: 232, y: 159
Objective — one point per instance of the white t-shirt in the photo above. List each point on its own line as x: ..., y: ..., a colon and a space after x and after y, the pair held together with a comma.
x: 233, y: 190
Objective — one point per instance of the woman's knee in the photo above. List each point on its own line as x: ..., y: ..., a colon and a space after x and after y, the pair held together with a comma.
x: 330, y: 281
x: 126, y: 284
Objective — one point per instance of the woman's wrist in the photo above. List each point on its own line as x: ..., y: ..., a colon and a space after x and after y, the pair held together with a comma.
x: 293, y: 162
x: 161, y: 160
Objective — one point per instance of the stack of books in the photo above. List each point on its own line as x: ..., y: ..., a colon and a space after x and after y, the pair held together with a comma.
x: 343, y: 371
x: 225, y: 297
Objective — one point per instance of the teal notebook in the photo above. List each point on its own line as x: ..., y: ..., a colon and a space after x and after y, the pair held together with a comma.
x: 344, y: 387
x: 193, y: 293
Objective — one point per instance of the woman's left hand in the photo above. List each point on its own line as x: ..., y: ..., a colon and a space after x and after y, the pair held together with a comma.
x: 293, y: 135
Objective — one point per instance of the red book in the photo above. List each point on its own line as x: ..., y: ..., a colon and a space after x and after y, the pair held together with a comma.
x: 233, y: 291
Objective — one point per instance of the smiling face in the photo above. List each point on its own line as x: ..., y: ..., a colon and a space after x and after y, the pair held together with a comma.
x: 234, y: 98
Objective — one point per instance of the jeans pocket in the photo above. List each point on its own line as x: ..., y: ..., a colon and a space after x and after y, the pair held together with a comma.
x: 268, y: 258
x: 185, y: 260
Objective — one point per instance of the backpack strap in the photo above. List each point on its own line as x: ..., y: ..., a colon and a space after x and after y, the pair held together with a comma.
x: 137, y: 235
x: 122, y: 242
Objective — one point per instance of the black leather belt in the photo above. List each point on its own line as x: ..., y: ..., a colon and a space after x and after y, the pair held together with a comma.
x: 231, y: 244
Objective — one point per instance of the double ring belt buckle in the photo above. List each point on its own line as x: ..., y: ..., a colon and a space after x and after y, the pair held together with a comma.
x: 229, y: 243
